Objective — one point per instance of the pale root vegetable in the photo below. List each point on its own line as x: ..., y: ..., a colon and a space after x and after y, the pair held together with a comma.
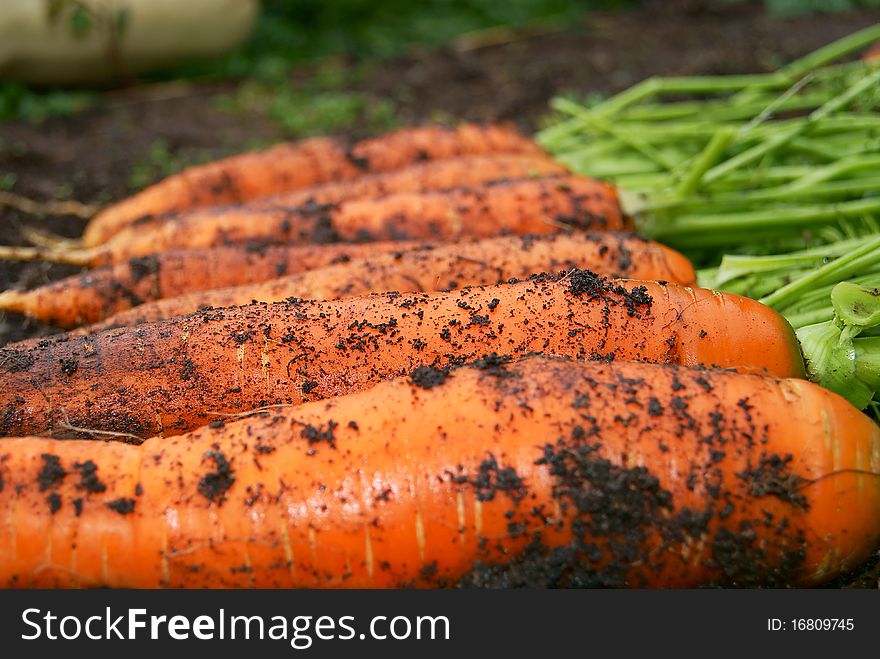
x: 48, y: 44
x: 545, y: 472
x: 434, y: 268
x: 171, y: 376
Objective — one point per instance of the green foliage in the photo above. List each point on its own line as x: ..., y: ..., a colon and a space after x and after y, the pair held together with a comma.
x: 289, y: 33
x: 81, y: 21
x: 24, y: 104
x: 311, y: 29
x: 798, y: 7
x: 785, y: 8
x: 302, y: 115
x: 840, y: 354
x: 7, y: 181
x: 385, y: 28
x: 82, y: 18
x: 160, y: 162
x: 736, y: 165
x: 19, y: 102
x: 324, y: 103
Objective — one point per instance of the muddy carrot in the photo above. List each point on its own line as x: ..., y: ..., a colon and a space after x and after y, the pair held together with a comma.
x: 171, y: 376
x: 292, y: 166
x: 542, y: 473
x: 421, y: 177
x: 509, y: 207
x: 96, y: 294
x: 442, y: 267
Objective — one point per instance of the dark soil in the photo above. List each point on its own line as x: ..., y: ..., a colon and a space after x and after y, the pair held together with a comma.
x: 91, y: 156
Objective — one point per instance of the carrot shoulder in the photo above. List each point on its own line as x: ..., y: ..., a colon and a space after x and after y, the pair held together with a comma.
x: 545, y: 472
x: 171, y: 376
x: 292, y: 166
x: 441, y: 267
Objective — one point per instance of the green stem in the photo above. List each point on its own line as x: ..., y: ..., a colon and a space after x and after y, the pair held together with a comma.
x: 817, y: 148
x: 835, y: 357
x: 715, y: 229
x: 704, y: 111
x: 609, y: 168
x: 734, y: 266
x: 783, y: 138
x: 635, y: 143
x: 708, y: 157
x: 867, y: 362
x: 819, y: 298
x: 755, y: 153
x: 833, y: 51
x: 804, y: 318
x: 690, y: 85
x: 848, y: 189
x: 856, y: 305
x: 838, y: 103
x: 719, y: 111
x: 835, y: 170
x: 775, y: 106
x: 837, y: 270
x: 828, y: 360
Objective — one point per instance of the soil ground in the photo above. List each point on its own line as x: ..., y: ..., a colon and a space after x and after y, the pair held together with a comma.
x: 144, y: 131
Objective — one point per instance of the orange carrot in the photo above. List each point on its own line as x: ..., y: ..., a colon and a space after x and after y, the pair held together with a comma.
x: 94, y: 295
x: 426, y: 176
x: 545, y: 472
x: 442, y: 267
x: 172, y: 376
x: 518, y: 207
x: 293, y: 166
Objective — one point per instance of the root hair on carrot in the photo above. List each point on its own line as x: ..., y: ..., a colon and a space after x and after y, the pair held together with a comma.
x: 77, y: 257
x: 109, y: 434
x: 47, y: 208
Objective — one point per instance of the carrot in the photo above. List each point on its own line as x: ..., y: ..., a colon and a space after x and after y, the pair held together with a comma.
x: 441, y: 267
x: 293, y: 166
x: 421, y: 177
x: 171, y: 376
x: 524, y: 206
x: 96, y: 294
x: 544, y: 472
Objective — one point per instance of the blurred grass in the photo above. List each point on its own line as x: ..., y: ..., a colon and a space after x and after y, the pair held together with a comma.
x: 19, y: 102
x: 325, y: 101
x: 799, y: 7
x: 292, y: 32
x: 289, y: 34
